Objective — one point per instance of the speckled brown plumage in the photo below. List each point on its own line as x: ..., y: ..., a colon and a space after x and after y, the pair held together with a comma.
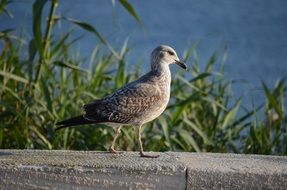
x: 128, y: 104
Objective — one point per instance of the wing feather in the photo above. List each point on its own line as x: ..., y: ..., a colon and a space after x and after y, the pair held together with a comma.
x: 124, y: 105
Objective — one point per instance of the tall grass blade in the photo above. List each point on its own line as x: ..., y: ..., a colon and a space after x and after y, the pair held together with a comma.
x: 43, y: 138
x: 229, y: 117
x: 120, y: 75
x: 201, y: 133
x: 189, y: 140
x: 272, y: 101
x: 47, y: 95
x: 4, y: 33
x: 3, y: 5
x: 37, y: 24
x: 93, y: 30
x: 130, y: 10
x: 70, y: 66
x: 60, y: 44
x: 247, y: 115
x: 15, y: 95
x: 211, y: 62
x: 164, y: 125
x: 14, y: 77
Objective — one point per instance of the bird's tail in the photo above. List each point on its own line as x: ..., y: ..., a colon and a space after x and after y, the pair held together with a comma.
x: 79, y: 120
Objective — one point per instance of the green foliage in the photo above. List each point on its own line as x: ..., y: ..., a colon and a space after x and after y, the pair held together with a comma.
x: 268, y: 136
x: 49, y: 84
x: 130, y: 9
x: 3, y: 4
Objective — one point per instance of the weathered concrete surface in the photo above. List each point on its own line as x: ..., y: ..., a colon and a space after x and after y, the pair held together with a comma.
x: 234, y: 171
x: 38, y: 169
x: 35, y: 169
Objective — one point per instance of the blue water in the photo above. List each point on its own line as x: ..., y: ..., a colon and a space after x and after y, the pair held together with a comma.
x: 255, y: 32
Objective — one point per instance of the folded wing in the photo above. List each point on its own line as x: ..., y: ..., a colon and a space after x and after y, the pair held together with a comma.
x: 123, y: 106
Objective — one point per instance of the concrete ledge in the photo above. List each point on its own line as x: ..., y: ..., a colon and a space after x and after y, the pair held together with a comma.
x: 57, y: 169
x: 234, y: 171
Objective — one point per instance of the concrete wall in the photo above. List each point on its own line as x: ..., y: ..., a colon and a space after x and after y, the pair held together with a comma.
x: 57, y: 169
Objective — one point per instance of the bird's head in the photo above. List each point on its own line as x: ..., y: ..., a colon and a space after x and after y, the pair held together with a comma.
x: 165, y: 55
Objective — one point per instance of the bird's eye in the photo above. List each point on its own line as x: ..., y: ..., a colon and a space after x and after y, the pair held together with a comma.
x: 170, y: 53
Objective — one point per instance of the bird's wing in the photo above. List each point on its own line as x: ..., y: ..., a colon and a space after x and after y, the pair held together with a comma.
x: 123, y: 105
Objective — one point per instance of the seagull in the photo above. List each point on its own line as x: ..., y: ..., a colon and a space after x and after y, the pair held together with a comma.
x: 136, y: 103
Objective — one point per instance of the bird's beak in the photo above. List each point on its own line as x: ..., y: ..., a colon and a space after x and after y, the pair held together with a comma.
x: 181, y: 64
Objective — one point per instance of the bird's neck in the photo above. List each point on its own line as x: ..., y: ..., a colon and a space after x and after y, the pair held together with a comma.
x: 160, y: 67
x: 162, y: 71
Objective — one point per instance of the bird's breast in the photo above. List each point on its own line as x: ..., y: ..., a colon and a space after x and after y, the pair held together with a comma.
x: 158, y: 106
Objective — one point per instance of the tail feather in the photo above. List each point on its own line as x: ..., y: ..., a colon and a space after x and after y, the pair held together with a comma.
x: 79, y: 120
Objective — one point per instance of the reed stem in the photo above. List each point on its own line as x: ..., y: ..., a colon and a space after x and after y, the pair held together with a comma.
x: 46, y: 41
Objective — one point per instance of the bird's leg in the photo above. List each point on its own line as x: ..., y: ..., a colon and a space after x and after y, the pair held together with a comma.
x: 117, y: 133
x: 142, y: 154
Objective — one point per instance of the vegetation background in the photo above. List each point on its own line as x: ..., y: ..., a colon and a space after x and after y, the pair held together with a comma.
x: 42, y: 81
